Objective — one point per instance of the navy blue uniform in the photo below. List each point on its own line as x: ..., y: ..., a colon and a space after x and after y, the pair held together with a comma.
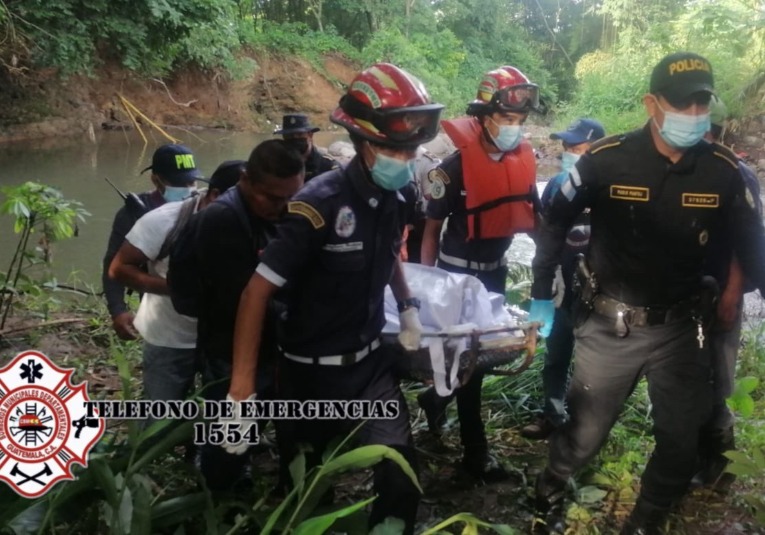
x: 449, y: 201
x: 560, y: 343
x: 335, y: 251
x: 651, y: 220
x: 318, y: 163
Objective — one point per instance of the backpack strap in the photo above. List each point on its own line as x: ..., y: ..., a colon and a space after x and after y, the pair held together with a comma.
x: 187, y: 210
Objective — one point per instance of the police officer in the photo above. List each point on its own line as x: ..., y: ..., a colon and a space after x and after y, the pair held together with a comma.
x: 298, y: 133
x: 576, y: 140
x: 337, y: 249
x: 657, y: 196
x: 717, y: 435
x: 487, y: 190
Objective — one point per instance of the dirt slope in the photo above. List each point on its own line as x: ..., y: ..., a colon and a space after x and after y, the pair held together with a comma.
x: 48, y: 106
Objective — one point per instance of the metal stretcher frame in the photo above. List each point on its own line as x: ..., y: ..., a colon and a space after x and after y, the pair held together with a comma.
x: 513, y: 346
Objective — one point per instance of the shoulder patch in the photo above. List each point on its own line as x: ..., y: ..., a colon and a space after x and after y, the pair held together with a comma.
x: 721, y: 151
x: 307, y: 211
x: 606, y: 143
x: 436, y: 186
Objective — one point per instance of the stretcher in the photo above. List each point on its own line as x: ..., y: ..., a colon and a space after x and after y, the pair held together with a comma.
x: 465, y: 329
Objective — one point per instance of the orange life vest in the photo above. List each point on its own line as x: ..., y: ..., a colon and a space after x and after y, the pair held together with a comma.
x: 498, y: 193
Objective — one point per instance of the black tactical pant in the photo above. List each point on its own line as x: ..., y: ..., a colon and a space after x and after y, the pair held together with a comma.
x: 371, y: 379
x: 606, y: 371
x: 221, y: 469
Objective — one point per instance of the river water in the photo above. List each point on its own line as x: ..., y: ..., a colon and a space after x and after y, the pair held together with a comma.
x: 77, y: 167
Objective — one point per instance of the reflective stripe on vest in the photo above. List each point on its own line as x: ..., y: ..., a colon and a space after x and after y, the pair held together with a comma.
x: 498, y: 193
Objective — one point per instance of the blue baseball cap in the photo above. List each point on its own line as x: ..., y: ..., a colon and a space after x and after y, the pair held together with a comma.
x: 581, y: 131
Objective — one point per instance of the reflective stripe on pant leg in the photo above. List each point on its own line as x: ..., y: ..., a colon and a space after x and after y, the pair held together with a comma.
x: 606, y: 370
x: 680, y: 391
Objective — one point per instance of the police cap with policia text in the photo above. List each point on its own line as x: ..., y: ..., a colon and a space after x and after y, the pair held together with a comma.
x: 680, y: 75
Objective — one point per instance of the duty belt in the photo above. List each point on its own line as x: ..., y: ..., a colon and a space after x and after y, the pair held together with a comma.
x: 643, y: 316
x: 345, y: 359
x: 478, y: 266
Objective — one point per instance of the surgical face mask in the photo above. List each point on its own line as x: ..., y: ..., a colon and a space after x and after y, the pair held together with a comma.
x: 568, y: 161
x: 509, y: 136
x: 173, y: 194
x: 300, y: 144
x: 682, y: 131
x: 391, y: 173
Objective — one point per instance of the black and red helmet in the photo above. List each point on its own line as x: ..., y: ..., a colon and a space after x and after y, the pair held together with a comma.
x: 388, y: 106
x: 505, y: 89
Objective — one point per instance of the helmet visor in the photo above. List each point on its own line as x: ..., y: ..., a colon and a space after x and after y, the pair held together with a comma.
x: 521, y: 98
x: 411, y: 126
x: 408, y: 126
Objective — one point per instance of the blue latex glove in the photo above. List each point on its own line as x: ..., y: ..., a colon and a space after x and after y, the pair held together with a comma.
x: 543, y: 311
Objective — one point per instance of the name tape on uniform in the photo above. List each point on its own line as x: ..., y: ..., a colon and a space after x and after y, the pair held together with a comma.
x: 701, y: 200
x: 630, y: 193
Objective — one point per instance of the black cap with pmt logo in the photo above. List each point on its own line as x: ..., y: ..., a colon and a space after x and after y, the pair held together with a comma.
x: 175, y: 164
x: 680, y: 75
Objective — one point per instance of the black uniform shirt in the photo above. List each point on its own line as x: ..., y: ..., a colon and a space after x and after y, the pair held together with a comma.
x: 336, y: 249
x: 227, y: 253
x: 651, y: 219
x: 447, y: 199
x: 318, y: 163
x: 124, y: 220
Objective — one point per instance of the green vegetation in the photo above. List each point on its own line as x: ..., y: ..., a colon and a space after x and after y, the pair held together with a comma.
x: 589, y: 57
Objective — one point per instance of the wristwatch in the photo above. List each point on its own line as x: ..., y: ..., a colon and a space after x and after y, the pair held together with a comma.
x: 408, y: 303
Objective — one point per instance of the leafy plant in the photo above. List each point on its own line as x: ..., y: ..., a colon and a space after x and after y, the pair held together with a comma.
x: 40, y: 210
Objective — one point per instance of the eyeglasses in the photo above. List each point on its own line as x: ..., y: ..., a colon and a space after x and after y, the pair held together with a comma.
x: 415, y: 125
x: 523, y: 97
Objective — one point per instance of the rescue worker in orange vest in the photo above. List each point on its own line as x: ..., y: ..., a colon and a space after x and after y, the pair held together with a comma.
x: 487, y: 189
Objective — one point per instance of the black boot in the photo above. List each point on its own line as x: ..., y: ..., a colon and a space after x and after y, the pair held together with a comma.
x: 712, y: 462
x: 482, y: 465
x: 645, y: 519
x: 435, y: 409
x: 549, y: 504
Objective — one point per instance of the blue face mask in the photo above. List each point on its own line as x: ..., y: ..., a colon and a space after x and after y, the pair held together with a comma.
x: 391, y: 173
x: 682, y: 131
x: 568, y: 161
x: 173, y: 194
x: 509, y: 136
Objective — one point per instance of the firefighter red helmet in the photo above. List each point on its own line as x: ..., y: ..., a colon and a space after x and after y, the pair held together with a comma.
x: 387, y: 105
x: 505, y: 89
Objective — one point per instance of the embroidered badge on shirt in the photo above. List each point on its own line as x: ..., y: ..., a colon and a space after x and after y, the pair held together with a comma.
x: 630, y: 193
x: 345, y: 223
x: 307, y: 211
x: 436, y: 184
x: 701, y: 200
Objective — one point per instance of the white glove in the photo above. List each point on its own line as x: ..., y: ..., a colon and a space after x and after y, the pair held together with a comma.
x: 559, y: 288
x: 411, y: 329
x: 244, y: 424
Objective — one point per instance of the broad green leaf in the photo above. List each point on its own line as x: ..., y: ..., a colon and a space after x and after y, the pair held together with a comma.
x: 176, y: 510
x: 590, y: 494
x: 739, y: 457
x: 366, y: 456
x: 747, y: 384
x: 741, y: 470
x: 104, y: 476
x: 273, y: 518
x: 29, y: 521
x: 297, y: 470
x: 141, y: 489
x: 390, y: 526
x: 320, y: 524
x: 164, y: 445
